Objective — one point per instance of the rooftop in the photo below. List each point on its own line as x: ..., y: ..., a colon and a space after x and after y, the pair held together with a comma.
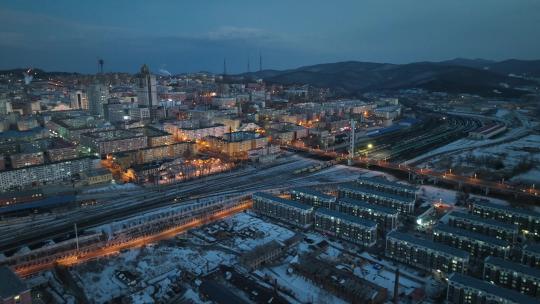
x: 533, y: 272
x: 346, y: 217
x: 385, y: 182
x: 428, y: 244
x: 357, y: 188
x: 282, y: 201
x: 312, y: 192
x: 492, y: 289
x: 367, y: 205
x: 523, y: 212
x: 486, y: 221
x: 471, y: 235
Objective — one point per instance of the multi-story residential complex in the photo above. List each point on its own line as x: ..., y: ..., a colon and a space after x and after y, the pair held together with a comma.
x: 346, y: 226
x: 22, y: 160
x: 405, y: 205
x: 386, y: 218
x: 531, y: 255
x: 512, y: 275
x: 463, y: 289
x: 155, y: 136
x: 478, y: 245
x: 237, y: 144
x: 194, y: 133
x: 500, y: 230
x: 281, y: 209
x: 113, y: 141
x: 46, y: 173
x: 312, y: 197
x: 384, y: 185
x: 71, y: 128
x: 527, y: 221
x: 425, y: 254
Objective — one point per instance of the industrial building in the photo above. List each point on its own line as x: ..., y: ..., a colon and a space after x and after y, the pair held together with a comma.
x: 282, y: 209
x: 500, y: 230
x: 425, y: 254
x: 384, y: 185
x: 512, y: 275
x: 312, y: 197
x: 386, y: 218
x: 404, y: 205
x: 463, y: 289
x: 345, y: 226
x: 527, y: 221
x: 478, y: 245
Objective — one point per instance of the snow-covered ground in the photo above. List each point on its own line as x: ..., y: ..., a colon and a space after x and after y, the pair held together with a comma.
x: 261, y: 232
x: 113, y: 187
x: 501, y: 158
x: 304, y: 290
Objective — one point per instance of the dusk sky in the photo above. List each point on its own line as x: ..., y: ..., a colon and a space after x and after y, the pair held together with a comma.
x: 186, y: 36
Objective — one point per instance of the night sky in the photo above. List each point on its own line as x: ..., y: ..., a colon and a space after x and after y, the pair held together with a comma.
x: 187, y: 36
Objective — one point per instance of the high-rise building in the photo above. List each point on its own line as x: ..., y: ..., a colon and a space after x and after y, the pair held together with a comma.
x: 79, y: 100
x: 146, y: 88
x: 98, y: 94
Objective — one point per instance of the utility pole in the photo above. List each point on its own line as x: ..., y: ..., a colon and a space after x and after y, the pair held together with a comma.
x: 352, y: 140
x: 76, y: 236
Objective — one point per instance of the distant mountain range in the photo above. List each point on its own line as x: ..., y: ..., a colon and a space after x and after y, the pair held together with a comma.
x: 474, y: 76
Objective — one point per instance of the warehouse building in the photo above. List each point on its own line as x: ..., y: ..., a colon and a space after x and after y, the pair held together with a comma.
x: 282, y: 209
x: 512, y: 275
x: 312, y: 197
x: 345, y: 226
x: 386, y: 218
x: 500, y: 230
x: 464, y: 289
x: 404, y: 205
x: 478, y: 245
x: 528, y: 222
x: 425, y: 254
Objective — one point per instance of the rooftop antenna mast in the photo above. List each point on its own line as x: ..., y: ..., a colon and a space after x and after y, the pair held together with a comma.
x: 260, y: 62
x: 100, y: 63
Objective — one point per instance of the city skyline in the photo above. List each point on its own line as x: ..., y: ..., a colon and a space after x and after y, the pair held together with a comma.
x: 189, y: 37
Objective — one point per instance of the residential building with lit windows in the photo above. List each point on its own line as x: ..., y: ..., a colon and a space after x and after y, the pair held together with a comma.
x: 312, y: 197
x: 478, y: 245
x: 527, y: 221
x: 425, y: 254
x: 386, y: 218
x: 463, y: 289
x: 405, y: 205
x: 285, y: 210
x: 237, y: 144
x: 531, y: 255
x: 114, y: 141
x: 44, y: 174
x: 381, y: 184
x: 345, y: 226
x: 500, y: 230
x: 512, y: 275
